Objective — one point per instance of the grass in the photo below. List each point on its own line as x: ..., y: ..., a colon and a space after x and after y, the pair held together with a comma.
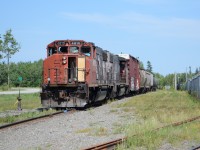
x: 10, y: 119
x: 157, y: 109
x: 4, y: 88
x: 29, y: 101
x: 85, y: 130
x: 94, y: 131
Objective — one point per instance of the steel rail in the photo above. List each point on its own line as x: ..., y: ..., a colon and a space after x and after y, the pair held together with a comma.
x: 111, y: 145
x: 196, y: 148
x: 29, y: 120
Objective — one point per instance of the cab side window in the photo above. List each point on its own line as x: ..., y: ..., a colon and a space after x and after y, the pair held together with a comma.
x: 63, y: 49
x: 86, y: 51
x: 51, y: 51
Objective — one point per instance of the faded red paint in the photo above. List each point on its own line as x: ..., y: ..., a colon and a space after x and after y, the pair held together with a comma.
x: 55, y: 62
x: 133, y: 67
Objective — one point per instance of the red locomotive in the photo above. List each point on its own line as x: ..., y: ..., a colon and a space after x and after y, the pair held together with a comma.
x: 77, y: 73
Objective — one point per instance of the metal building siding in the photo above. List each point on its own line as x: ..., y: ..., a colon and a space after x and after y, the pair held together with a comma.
x: 193, y: 86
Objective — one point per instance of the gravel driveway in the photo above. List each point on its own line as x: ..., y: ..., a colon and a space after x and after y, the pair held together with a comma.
x: 69, y: 131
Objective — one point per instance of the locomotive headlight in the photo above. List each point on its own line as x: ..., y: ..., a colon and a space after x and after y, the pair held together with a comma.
x: 75, y: 79
x: 48, y: 79
x: 64, y: 61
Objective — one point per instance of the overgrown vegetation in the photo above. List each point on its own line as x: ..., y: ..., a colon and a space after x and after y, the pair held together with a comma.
x: 158, y: 109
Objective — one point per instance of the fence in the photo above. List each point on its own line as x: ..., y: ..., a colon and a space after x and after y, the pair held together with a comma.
x: 193, y: 86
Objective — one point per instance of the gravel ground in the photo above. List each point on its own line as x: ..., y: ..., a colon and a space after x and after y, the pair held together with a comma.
x: 69, y: 131
x: 73, y: 131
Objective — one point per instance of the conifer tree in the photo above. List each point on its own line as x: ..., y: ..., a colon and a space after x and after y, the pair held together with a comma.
x: 149, y: 66
x: 9, y: 46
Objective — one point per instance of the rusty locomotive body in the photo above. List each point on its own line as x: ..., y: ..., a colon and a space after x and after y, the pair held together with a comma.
x: 77, y: 73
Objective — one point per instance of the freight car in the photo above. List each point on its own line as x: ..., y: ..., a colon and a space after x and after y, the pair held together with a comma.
x: 77, y: 73
x: 147, y: 81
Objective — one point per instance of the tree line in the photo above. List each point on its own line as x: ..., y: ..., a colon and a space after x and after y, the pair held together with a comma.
x: 25, y: 74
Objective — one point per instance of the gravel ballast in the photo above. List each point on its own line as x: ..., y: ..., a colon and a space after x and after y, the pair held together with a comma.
x: 78, y: 130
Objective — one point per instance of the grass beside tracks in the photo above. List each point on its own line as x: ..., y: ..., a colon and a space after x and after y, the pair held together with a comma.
x: 157, y: 109
x: 23, y: 116
x: 29, y: 101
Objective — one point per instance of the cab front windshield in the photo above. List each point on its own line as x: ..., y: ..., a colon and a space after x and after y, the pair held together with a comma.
x: 74, y: 49
x: 85, y: 50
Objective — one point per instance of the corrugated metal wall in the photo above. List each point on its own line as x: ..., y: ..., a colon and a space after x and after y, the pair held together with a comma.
x: 193, y: 86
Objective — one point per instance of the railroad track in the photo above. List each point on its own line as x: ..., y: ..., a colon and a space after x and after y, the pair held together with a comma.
x: 29, y: 120
x: 196, y: 148
x: 113, y: 144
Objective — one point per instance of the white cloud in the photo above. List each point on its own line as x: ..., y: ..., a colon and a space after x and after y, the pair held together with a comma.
x: 143, y: 23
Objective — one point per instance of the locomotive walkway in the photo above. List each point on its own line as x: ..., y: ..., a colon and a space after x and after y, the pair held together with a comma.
x: 22, y: 90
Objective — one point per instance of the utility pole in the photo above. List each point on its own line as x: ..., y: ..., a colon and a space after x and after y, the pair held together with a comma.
x: 186, y: 75
x: 190, y: 72
x: 8, y: 57
x: 175, y: 82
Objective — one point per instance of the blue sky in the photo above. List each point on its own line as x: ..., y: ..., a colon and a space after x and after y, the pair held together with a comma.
x: 165, y: 32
